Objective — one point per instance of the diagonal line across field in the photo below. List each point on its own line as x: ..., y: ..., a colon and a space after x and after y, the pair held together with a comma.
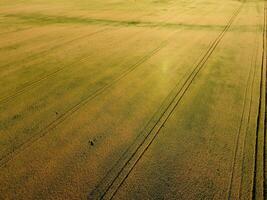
x: 35, y: 82
x: 243, y: 129
x: 237, y: 174
x: 249, y: 118
x: 36, y: 55
x: 138, y: 112
x: 10, y: 153
x: 109, y: 185
x: 81, y: 103
x: 259, y: 179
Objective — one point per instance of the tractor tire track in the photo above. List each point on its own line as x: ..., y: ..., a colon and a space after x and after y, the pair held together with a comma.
x: 31, y: 84
x: 265, y: 120
x: 254, y: 66
x: 60, y: 45
x: 10, y: 154
x: 18, y: 43
x: 115, y: 177
x: 243, y: 122
x: 34, y: 56
x: 261, y: 118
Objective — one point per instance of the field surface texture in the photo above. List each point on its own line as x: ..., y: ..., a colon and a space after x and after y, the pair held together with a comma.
x: 133, y: 99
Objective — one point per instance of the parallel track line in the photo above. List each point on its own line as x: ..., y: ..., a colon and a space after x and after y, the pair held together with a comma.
x: 259, y: 117
x: 106, y: 190
x: 254, y: 66
x: 8, y: 156
x: 11, y: 153
x: 31, y: 84
x: 37, y: 55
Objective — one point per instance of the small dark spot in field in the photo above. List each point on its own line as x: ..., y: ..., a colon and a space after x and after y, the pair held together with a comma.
x: 91, y: 143
x: 133, y: 22
x: 56, y: 113
x: 16, y: 116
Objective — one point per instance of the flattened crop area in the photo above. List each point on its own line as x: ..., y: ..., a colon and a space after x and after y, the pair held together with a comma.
x: 149, y: 99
